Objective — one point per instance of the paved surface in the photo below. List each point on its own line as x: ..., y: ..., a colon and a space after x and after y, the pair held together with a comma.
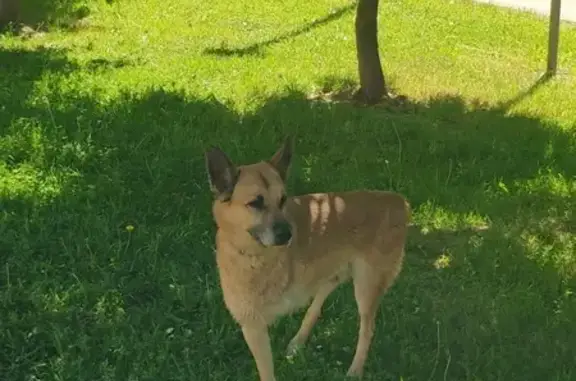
x: 541, y: 7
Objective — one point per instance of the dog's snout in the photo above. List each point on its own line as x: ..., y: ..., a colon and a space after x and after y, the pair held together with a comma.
x: 282, y: 232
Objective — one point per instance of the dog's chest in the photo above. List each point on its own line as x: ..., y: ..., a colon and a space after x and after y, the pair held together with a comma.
x: 293, y: 298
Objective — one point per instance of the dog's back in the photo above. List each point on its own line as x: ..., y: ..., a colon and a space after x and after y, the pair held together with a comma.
x: 338, y: 235
x: 361, y: 220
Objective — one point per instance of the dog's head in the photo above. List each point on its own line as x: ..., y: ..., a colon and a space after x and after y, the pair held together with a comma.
x: 251, y: 198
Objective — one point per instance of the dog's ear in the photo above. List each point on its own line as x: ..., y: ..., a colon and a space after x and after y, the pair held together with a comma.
x: 283, y: 157
x: 222, y: 173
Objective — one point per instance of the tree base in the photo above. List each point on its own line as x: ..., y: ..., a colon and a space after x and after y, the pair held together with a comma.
x: 356, y: 96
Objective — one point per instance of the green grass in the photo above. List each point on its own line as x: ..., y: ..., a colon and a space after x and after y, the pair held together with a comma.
x: 105, y: 127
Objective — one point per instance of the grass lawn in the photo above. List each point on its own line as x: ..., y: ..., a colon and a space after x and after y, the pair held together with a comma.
x: 106, y: 240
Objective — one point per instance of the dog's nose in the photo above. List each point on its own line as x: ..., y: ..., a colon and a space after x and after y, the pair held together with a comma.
x: 282, y: 233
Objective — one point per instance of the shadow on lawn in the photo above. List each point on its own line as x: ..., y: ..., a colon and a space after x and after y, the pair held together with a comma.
x: 42, y: 14
x: 19, y: 71
x: 256, y: 48
x: 82, y: 290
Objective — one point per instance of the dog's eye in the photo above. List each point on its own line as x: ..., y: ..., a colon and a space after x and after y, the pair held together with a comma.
x: 257, y: 203
x: 282, y: 201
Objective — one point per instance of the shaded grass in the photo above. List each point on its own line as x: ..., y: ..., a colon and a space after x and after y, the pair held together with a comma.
x: 38, y: 15
x: 104, y: 129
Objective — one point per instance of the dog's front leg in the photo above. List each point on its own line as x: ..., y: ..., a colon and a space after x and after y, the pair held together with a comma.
x: 256, y: 336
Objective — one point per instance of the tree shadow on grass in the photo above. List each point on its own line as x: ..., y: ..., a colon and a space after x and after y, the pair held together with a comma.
x: 256, y: 48
x: 106, y: 237
x: 42, y: 14
x: 20, y: 69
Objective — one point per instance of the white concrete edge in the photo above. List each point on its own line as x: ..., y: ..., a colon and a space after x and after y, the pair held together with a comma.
x: 539, y: 7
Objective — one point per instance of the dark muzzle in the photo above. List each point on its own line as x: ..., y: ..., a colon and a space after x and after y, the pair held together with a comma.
x: 282, y: 232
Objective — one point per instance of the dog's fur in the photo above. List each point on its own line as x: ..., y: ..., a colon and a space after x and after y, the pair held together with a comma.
x: 275, y: 254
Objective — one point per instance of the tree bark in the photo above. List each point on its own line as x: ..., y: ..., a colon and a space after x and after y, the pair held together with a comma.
x: 372, y: 84
x: 9, y: 12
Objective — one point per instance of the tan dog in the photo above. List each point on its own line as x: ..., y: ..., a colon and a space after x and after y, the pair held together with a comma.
x: 276, y: 253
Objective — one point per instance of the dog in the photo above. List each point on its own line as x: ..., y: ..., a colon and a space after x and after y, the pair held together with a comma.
x: 276, y: 253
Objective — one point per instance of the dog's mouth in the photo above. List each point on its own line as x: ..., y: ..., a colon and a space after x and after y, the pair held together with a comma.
x: 275, y: 242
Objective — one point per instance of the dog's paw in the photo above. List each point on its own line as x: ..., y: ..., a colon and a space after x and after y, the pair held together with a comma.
x: 354, y: 373
x: 292, y: 350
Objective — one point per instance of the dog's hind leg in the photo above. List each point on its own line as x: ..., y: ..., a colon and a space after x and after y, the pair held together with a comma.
x: 311, y: 316
x: 370, y: 282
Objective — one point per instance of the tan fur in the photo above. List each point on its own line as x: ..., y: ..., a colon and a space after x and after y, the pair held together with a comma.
x: 357, y: 235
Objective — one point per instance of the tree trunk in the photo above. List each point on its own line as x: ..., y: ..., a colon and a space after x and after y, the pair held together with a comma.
x: 372, y: 84
x: 9, y: 12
